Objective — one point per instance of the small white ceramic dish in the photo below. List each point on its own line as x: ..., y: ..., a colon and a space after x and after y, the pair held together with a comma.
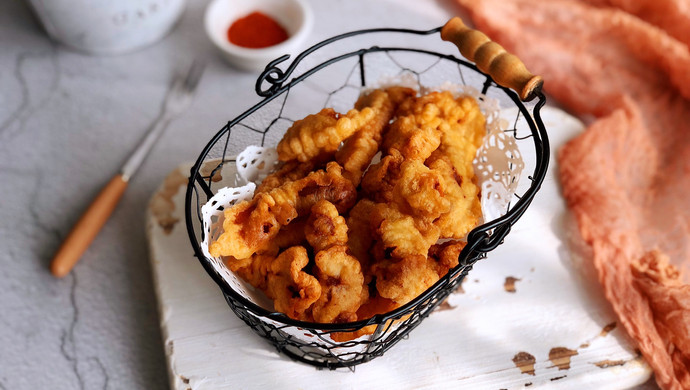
x: 294, y: 15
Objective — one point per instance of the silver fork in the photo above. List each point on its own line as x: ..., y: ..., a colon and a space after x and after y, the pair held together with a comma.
x: 176, y: 101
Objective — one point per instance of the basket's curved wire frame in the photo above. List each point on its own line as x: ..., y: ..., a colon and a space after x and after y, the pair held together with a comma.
x: 480, y: 240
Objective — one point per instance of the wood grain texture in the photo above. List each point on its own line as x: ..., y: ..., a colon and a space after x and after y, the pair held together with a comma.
x: 491, y: 58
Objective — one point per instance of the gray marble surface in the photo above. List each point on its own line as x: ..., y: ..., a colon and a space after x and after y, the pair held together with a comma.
x: 67, y: 122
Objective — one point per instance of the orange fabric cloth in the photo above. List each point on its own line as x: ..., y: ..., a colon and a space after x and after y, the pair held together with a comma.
x: 624, y: 67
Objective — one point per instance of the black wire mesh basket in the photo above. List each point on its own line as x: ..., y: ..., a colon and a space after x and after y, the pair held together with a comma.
x: 332, y: 73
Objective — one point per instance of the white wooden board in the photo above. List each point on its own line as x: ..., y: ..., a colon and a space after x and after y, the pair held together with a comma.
x: 482, y: 337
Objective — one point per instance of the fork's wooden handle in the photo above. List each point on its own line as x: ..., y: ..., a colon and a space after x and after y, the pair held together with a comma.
x: 491, y: 58
x: 88, y: 226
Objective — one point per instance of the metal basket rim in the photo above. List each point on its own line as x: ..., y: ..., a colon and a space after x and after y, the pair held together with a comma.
x: 480, y: 240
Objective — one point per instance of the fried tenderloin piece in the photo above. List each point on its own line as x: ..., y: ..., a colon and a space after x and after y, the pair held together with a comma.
x: 403, y: 219
x: 442, y: 257
x: 428, y: 128
x: 445, y: 256
x: 249, y: 226
x: 292, y: 289
x: 374, y: 305
x: 403, y: 279
x: 417, y: 129
x: 439, y: 123
x: 421, y: 191
x: 434, y: 107
x: 402, y: 223
x: 379, y: 180
x: 358, y: 150
x: 361, y: 234
x: 320, y: 133
x: 325, y: 227
x: 400, y: 235
x: 463, y: 195
x: 291, y: 234
x: 461, y: 126
x: 461, y: 134
x: 342, y: 286
x: 406, y: 182
x: 290, y: 171
x: 255, y: 269
x: 340, y: 274
x: 413, y: 137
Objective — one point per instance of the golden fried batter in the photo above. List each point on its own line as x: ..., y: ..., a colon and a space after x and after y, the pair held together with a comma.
x: 379, y: 180
x: 290, y: 171
x: 357, y: 151
x: 463, y: 194
x: 438, y: 120
x: 320, y: 133
x: 401, y: 234
x: 412, y: 186
x: 325, y: 226
x: 361, y: 234
x: 398, y: 95
x: 374, y: 305
x: 254, y: 269
x: 291, y: 234
x: 462, y: 136
x: 342, y: 286
x: 413, y: 139
x: 422, y: 190
x: 249, y: 226
x: 433, y: 108
x: 292, y: 289
x: 403, y: 279
x: 237, y: 239
x: 340, y: 274
x: 331, y: 185
x: 445, y: 256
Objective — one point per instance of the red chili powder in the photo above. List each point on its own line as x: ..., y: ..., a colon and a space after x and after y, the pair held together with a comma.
x: 255, y: 31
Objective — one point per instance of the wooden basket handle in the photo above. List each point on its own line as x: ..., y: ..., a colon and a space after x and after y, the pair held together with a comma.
x: 506, y: 69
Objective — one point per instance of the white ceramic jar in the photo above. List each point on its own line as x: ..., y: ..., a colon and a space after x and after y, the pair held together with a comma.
x: 107, y: 26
